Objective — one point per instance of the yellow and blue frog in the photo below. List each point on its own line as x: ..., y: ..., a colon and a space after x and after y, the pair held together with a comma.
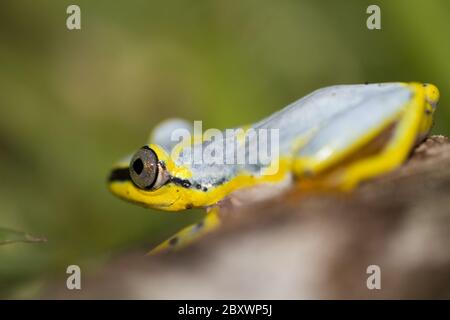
x: 339, y: 135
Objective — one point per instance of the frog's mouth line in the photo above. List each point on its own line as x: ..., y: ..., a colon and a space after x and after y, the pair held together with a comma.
x: 171, y: 204
x: 123, y: 175
x: 145, y: 204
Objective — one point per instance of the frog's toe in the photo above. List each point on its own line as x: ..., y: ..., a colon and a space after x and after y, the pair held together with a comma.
x: 431, y: 94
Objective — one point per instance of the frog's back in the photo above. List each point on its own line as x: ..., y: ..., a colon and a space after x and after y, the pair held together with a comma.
x: 315, y: 111
x: 328, y: 116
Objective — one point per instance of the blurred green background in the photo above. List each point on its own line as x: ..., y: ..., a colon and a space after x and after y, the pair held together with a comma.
x: 73, y: 102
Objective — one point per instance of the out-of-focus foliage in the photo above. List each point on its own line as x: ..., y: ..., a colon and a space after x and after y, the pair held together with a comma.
x: 73, y: 102
x: 8, y: 236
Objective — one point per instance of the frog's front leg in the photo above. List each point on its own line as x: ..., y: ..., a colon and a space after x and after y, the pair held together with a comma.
x: 191, y: 233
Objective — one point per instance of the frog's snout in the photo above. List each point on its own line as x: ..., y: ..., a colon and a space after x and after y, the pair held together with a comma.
x: 431, y: 94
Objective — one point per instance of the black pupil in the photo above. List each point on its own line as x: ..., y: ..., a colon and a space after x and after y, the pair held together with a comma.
x: 138, y: 166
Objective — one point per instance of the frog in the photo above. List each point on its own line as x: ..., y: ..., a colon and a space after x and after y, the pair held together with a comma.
x: 335, y: 137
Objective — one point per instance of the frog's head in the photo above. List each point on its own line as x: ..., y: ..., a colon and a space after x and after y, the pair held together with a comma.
x: 152, y: 179
x: 431, y: 95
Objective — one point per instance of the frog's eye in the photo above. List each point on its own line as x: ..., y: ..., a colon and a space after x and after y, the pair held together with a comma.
x: 145, y: 171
